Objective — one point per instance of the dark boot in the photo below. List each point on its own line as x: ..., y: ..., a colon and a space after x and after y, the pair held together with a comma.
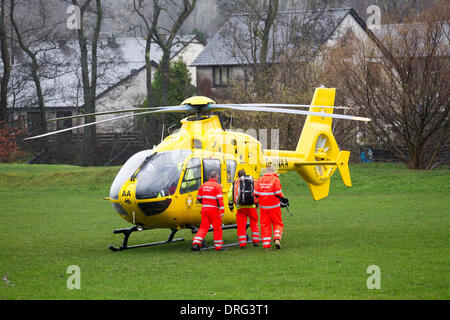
x: 278, y: 244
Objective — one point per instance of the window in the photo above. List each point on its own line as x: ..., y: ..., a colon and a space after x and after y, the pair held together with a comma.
x: 210, y: 165
x: 231, y: 170
x: 196, y: 144
x: 66, y: 123
x: 192, y: 176
x: 221, y: 76
x: 33, y: 122
x: 234, y: 144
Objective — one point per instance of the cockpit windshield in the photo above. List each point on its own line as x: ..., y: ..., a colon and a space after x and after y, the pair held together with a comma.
x: 160, y: 174
x: 127, y: 171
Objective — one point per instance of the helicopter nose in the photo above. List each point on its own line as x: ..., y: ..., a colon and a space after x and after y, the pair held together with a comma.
x: 154, y: 207
x: 126, y: 195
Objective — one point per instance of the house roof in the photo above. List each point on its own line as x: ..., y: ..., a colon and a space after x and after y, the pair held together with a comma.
x: 119, y: 59
x: 231, y: 45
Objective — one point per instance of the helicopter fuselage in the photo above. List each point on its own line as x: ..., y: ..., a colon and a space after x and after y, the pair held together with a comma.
x: 157, y: 188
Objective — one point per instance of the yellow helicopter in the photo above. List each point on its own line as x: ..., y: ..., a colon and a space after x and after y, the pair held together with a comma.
x: 157, y: 188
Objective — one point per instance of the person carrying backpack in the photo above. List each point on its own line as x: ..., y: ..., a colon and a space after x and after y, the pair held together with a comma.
x: 242, y: 195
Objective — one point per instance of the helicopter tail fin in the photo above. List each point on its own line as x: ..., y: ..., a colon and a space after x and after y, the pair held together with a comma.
x: 317, y: 144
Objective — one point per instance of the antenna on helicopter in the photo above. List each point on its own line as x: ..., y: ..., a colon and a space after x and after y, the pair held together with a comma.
x: 162, y: 133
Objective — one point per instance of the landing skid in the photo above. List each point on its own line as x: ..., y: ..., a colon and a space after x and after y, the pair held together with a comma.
x: 231, y: 226
x: 224, y: 246
x: 128, y: 231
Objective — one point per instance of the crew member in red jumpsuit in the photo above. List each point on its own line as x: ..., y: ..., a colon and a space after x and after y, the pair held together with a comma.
x: 268, y: 191
x: 210, y: 195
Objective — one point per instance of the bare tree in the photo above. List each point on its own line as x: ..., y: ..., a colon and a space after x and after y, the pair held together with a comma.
x: 35, y: 39
x: 278, y: 53
x: 6, y: 60
x: 150, y: 27
x: 89, y: 76
x: 404, y: 87
x: 34, y: 66
x: 166, y: 37
x: 150, y: 20
x: 162, y: 22
x: 263, y: 13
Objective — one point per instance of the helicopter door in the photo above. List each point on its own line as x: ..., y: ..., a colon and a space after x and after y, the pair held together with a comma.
x: 210, y: 165
x: 192, y: 176
x: 231, y: 170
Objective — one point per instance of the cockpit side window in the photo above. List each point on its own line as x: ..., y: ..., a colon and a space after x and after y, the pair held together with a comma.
x: 210, y: 165
x: 196, y: 144
x: 192, y: 176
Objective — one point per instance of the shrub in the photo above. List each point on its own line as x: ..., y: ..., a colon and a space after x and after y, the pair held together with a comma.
x: 9, y: 150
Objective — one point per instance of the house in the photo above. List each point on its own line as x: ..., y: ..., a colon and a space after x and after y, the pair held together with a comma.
x: 131, y: 90
x: 227, y: 54
x: 121, y: 81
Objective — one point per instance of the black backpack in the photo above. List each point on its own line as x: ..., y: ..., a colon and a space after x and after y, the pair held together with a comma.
x: 245, y: 193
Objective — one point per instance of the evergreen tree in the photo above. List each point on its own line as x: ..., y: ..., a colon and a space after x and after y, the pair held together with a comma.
x: 180, y: 87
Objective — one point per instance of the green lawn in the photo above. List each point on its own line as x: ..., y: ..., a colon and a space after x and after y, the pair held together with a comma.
x: 52, y: 217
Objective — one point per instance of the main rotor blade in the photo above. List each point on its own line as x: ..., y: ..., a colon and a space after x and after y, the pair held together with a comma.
x: 159, y: 108
x: 168, y: 110
x: 108, y: 112
x: 283, y: 105
x: 219, y: 107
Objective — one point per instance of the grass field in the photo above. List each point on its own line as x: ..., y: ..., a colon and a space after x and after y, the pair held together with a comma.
x: 52, y: 217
